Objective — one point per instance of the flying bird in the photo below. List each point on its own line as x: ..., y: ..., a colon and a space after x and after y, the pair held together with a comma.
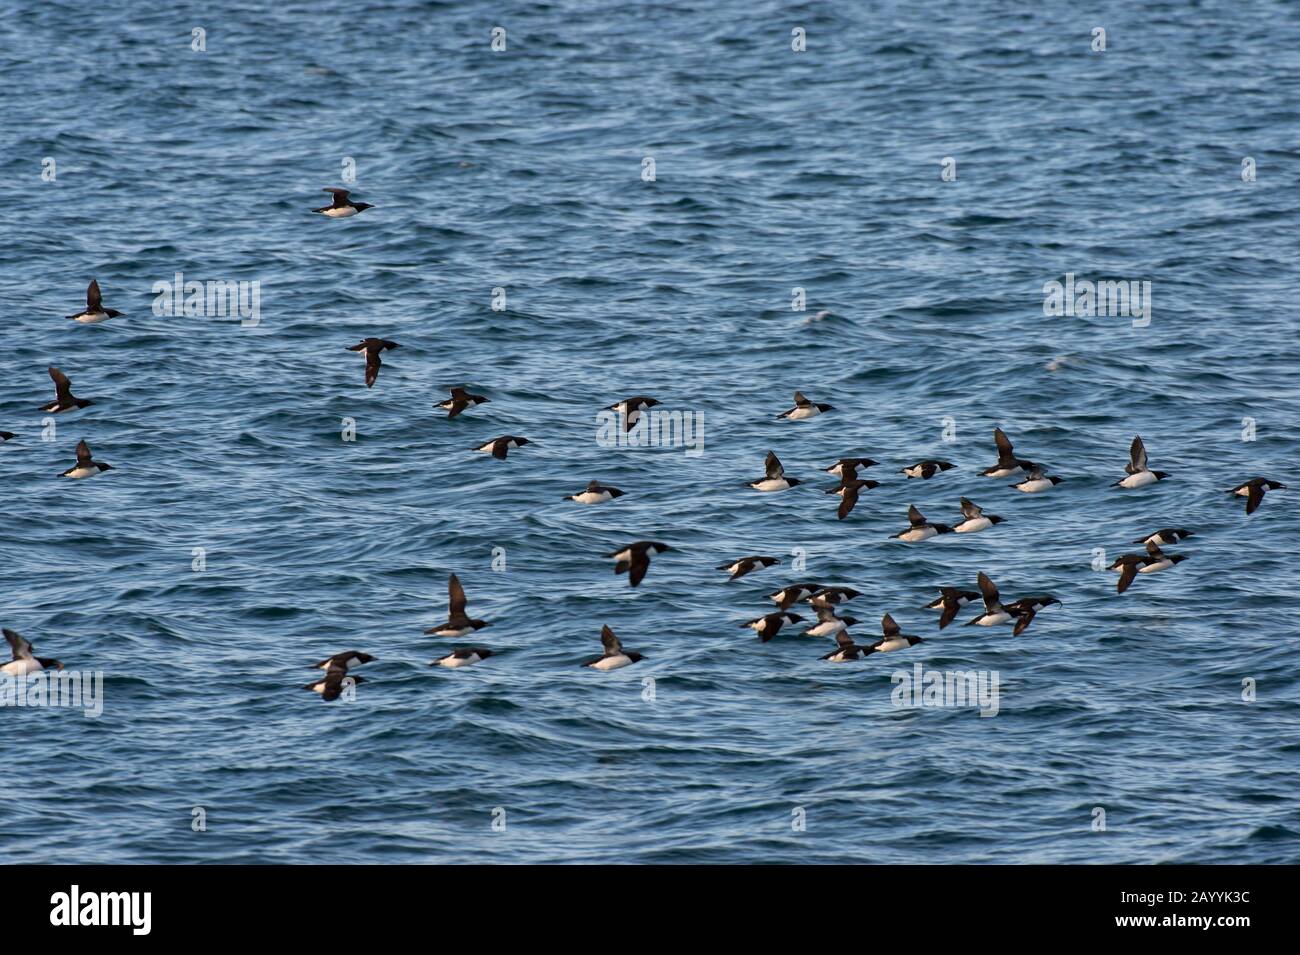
x: 95, y: 310
x: 921, y: 529
x: 458, y: 622
x: 342, y: 206
x: 24, y: 659
x: 848, y: 492
x: 64, y: 400
x: 973, y: 519
x: 1008, y: 464
x: 334, y: 683
x: 634, y: 559
x: 770, y: 625
x: 927, y: 469
x: 85, y: 466
x: 740, y: 567
x: 1139, y: 475
x: 596, y: 493
x: 499, y: 447
x: 614, y: 656
x: 629, y: 409
x: 894, y: 638
x: 460, y: 400
x: 803, y: 408
x: 1253, y: 491
x: 372, y: 347
x: 775, y: 479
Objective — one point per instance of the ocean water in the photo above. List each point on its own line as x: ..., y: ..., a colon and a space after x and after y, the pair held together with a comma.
x: 522, y: 170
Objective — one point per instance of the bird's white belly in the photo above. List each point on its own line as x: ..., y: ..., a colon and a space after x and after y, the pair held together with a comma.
x: 1141, y: 479
x: 918, y: 534
x: 798, y: 414
x: 340, y: 213
x: 592, y: 497
x: 973, y: 525
x: 771, y: 484
x: 612, y: 663
x: 1033, y: 487
x: 454, y: 661
x: 21, y: 667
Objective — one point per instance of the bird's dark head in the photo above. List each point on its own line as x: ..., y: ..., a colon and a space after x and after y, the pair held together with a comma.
x: 106, y: 467
x: 84, y: 402
x: 362, y: 206
x: 51, y: 664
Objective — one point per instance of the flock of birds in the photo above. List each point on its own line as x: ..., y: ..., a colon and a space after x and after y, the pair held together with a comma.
x: 634, y: 559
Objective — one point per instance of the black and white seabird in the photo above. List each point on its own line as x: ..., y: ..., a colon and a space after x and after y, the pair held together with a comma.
x: 994, y: 613
x: 744, y: 565
x: 974, y: 519
x: 95, y: 310
x: 833, y: 596
x: 462, y: 658
x: 458, y: 622
x: 1130, y: 565
x: 848, y: 492
x: 787, y: 597
x: 372, y: 347
x: 1036, y: 481
x: 614, y: 656
x: 347, y: 659
x: 894, y: 638
x: 498, y: 447
x: 803, y: 408
x: 927, y: 469
x: 921, y: 529
x: 846, y: 650
x: 596, y: 493
x: 85, y: 467
x: 629, y: 409
x: 64, y: 399
x: 335, y: 681
x: 342, y: 206
x: 1253, y: 491
x: 1139, y: 475
x: 828, y: 624
x: 1025, y: 608
x: 847, y: 467
x: 634, y: 559
x: 1165, y: 536
x: 775, y: 479
x: 770, y: 625
x: 24, y: 660
x: 460, y: 400
x: 1008, y: 464
x: 950, y: 601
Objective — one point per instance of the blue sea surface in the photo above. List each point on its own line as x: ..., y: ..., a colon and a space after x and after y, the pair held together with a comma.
x: 524, y: 170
